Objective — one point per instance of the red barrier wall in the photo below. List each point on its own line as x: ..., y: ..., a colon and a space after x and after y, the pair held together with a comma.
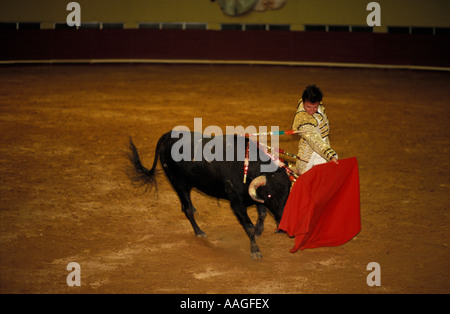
x: 341, y: 47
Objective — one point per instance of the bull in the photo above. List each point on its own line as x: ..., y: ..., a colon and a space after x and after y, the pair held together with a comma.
x: 220, y: 178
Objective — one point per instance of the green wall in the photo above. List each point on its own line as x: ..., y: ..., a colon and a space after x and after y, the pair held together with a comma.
x: 297, y: 13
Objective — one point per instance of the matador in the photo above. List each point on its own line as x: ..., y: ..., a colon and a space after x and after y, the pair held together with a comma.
x: 312, y: 122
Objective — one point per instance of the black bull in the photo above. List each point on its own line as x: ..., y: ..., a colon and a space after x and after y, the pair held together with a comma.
x: 219, y: 178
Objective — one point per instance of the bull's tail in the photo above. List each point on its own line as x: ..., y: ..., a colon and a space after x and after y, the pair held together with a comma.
x: 141, y: 176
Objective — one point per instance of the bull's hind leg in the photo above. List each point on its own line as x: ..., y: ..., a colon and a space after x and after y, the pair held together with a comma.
x: 188, y: 209
x: 184, y: 194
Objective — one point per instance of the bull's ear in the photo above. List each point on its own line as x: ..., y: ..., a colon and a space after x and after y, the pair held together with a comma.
x: 254, y: 185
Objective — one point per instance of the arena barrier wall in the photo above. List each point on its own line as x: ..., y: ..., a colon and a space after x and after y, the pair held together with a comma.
x: 288, y: 47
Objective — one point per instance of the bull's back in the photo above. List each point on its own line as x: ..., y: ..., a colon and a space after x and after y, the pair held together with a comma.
x: 213, y: 176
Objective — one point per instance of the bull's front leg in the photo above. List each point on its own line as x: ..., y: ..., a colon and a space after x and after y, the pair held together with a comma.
x: 262, y: 212
x: 241, y: 214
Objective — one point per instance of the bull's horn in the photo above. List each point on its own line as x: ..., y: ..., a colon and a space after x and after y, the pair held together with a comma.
x: 254, y: 185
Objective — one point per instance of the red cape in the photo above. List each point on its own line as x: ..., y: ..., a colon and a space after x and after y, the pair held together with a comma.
x: 323, y: 208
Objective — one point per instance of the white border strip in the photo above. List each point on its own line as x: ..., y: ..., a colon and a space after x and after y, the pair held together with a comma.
x: 225, y: 62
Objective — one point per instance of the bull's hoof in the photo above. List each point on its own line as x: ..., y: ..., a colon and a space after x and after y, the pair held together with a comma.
x: 201, y: 235
x: 256, y: 255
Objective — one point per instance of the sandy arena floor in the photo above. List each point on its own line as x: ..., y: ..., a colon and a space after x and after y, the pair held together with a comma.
x: 65, y: 196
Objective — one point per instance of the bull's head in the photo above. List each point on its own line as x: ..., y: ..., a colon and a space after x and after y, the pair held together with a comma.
x: 272, y: 190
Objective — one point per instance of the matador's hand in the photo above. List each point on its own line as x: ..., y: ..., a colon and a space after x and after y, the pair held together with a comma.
x: 335, y: 160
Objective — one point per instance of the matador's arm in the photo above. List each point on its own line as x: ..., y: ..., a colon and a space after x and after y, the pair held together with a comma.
x: 307, y: 124
x: 314, y: 140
